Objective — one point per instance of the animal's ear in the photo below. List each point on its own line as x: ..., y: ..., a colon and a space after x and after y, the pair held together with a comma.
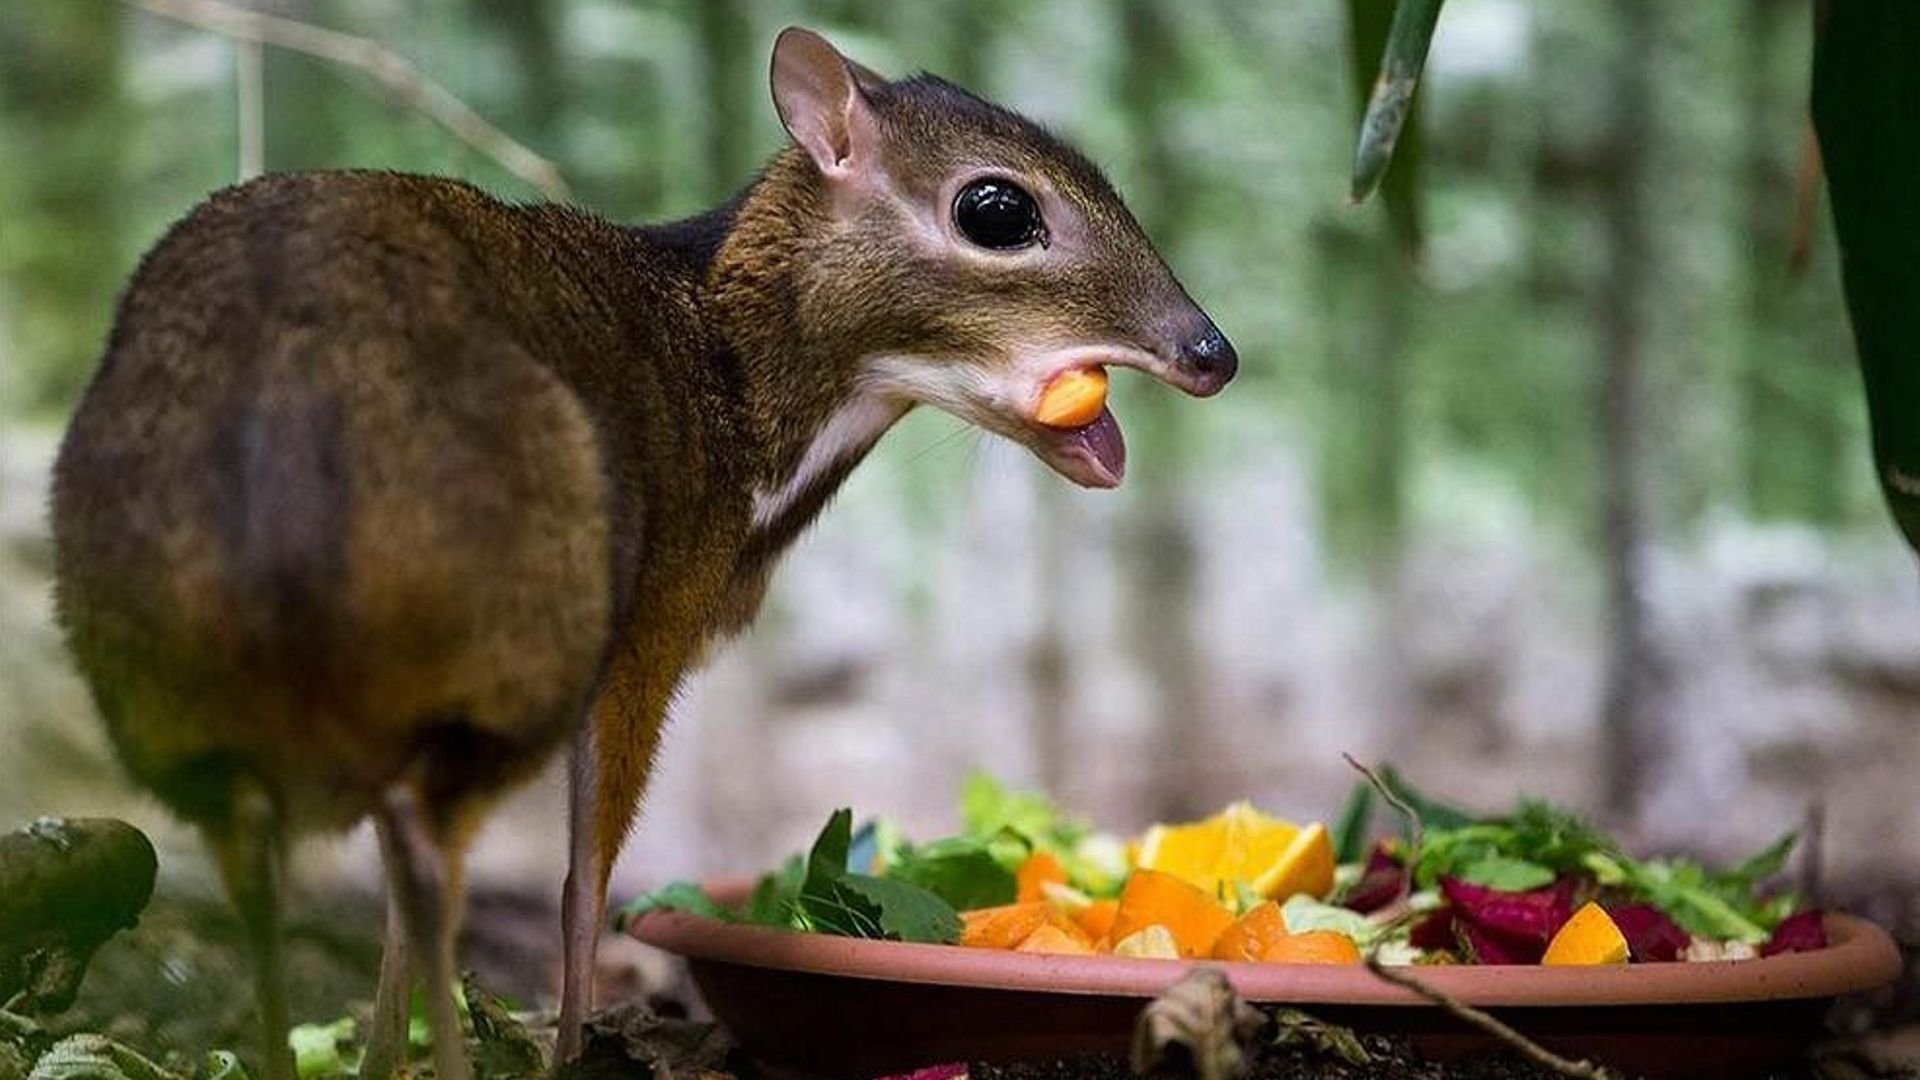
x: 822, y: 100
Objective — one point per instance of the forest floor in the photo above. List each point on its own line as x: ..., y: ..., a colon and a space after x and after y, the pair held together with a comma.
x: 169, y: 989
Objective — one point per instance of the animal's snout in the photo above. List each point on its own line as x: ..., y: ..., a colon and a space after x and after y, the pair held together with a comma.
x: 1210, y: 358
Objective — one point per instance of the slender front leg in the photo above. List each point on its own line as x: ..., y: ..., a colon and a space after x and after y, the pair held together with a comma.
x: 387, y: 1042
x: 582, y: 900
x: 612, y: 755
x: 421, y: 874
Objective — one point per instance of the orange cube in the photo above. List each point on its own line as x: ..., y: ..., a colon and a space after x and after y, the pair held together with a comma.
x: 1313, y: 947
x: 1003, y: 927
x: 1050, y: 938
x: 1253, y: 935
x: 1036, y: 871
x: 1097, y: 919
x: 1194, y: 918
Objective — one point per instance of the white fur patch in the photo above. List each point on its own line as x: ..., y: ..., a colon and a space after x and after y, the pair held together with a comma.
x: 849, y: 433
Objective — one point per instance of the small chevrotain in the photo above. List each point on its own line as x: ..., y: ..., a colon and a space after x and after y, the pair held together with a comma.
x: 386, y: 488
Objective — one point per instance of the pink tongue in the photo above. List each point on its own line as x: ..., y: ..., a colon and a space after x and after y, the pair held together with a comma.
x: 1103, y: 438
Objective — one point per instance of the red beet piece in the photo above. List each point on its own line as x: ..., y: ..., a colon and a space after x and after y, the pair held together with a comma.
x: 1804, y: 932
x: 1433, y: 932
x: 1651, y: 936
x: 1522, y: 922
x: 1486, y: 947
x: 1380, y: 882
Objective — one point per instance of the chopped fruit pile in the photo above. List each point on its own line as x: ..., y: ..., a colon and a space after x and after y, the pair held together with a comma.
x: 1536, y: 886
x: 1073, y: 398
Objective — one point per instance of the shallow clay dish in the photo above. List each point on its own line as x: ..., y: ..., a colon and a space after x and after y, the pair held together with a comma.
x: 831, y: 1006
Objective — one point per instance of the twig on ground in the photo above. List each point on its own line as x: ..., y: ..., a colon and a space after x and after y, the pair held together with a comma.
x: 392, y: 71
x: 1414, y: 834
x: 1486, y: 1022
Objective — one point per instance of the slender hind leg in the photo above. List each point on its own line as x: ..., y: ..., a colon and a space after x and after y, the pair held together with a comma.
x: 582, y: 900
x: 387, y: 1043
x: 419, y: 871
x: 249, y: 857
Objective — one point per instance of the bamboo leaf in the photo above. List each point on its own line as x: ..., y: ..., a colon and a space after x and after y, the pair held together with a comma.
x: 1391, y: 99
x: 1864, y: 86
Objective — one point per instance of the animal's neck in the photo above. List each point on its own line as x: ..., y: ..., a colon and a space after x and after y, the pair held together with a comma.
x: 810, y: 417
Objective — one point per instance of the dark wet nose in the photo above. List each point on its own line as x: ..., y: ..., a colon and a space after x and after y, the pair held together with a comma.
x: 1211, y: 355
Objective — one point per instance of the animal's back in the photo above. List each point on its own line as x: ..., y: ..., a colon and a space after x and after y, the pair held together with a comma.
x: 325, y: 514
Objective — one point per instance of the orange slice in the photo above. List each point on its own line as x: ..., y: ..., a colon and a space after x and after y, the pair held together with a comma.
x: 1073, y: 399
x: 1276, y: 858
x: 1589, y: 938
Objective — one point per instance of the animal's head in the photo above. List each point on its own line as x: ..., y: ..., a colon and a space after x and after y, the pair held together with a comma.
x: 974, y: 258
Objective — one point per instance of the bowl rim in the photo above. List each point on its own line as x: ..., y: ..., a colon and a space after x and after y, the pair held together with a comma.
x: 1861, y: 956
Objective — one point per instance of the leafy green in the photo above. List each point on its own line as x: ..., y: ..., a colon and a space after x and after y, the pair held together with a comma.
x: 1507, y: 874
x: 324, y: 1049
x: 988, y: 807
x: 906, y: 911
x: 1303, y: 913
x: 673, y: 896
x: 1017, y: 823
x: 1535, y: 839
x: 1723, y: 904
x: 961, y: 870
x: 834, y: 900
x: 1433, y: 813
x: 776, y: 896
x: 1350, y: 828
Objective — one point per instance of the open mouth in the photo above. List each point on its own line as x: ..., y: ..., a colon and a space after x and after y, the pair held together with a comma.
x: 1068, y: 422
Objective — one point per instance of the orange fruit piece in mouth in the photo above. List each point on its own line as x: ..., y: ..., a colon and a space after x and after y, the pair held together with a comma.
x: 1073, y: 399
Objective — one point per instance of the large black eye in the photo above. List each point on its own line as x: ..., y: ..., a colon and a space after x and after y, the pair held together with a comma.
x: 997, y: 214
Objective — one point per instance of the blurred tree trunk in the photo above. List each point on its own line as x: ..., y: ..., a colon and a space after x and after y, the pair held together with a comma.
x: 1157, y: 546
x: 1630, y: 723
x: 64, y: 133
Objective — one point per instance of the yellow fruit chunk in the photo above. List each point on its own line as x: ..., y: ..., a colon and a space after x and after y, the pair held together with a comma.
x: 1051, y: 939
x: 1590, y: 937
x: 1305, y: 867
x: 1276, y: 858
x: 1193, y: 917
x: 1148, y: 943
x: 1073, y: 399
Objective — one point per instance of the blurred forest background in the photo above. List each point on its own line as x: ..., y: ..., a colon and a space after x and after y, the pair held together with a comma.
x: 1560, y: 487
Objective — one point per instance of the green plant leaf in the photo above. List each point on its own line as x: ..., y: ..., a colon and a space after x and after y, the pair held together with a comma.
x: 673, y: 896
x: 1506, y: 874
x: 905, y: 911
x: 776, y: 896
x: 322, y: 1050
x: 960, y: 870
x: 1350, y: 829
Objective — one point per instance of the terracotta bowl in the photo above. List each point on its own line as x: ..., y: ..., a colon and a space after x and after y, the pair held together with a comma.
x: 811, y: 1004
